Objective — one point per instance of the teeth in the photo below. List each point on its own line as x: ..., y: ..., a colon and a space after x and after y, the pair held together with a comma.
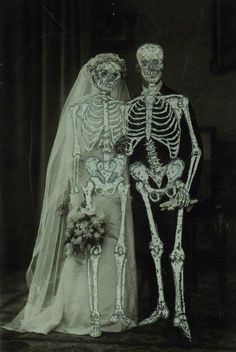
x: 151, y: 74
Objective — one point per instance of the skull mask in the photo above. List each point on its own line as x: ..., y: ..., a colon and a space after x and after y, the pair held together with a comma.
x: 150, y: 59
x: 106, y: 75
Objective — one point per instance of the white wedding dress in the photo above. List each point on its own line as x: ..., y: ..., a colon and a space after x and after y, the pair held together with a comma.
x: 58, y: 287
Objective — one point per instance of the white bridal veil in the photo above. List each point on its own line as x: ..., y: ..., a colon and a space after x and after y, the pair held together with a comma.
x: 44, y: 270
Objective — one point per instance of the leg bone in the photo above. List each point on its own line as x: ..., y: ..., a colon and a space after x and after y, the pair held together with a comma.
x: 156, y: 248
x: 120, y: 258
x: 95, y: 253
x: 177, y: 262
x: 88, y: 194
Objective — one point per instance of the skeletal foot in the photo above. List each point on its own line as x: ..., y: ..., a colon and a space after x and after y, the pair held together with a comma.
x: 161, y: 311
x: 118, y: 316
x: 95, y: 330
x: 181, y: 322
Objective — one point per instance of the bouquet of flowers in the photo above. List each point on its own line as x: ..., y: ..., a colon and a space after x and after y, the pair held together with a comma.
x: 85, y: 229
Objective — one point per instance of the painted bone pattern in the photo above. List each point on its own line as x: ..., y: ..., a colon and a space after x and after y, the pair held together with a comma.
x: 158, y: 122
x: 101, y: 127
x: 156, y: 118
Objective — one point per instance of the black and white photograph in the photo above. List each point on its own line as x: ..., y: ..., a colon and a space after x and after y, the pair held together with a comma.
x: 118, y: 176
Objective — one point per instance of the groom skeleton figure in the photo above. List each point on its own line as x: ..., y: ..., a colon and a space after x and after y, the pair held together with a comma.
x: 161, y: 174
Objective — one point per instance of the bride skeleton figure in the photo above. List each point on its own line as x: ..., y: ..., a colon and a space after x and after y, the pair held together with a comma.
x: 88, y: 177
x: 154, y: 122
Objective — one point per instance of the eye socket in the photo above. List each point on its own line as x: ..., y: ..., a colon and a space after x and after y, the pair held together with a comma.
x: 103, y: 73
x: 144, y: 62
x: 155, y: 62
x: 116, y: 74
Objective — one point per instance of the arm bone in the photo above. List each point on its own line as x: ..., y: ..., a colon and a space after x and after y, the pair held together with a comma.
x: 76, y: 150
x: 196, y: 151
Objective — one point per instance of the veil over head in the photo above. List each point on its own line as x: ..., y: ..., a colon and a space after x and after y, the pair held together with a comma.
x: 44, y: 270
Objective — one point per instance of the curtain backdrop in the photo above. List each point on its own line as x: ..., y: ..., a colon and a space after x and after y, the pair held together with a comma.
x: 41, y: 59
x: 44, y: 44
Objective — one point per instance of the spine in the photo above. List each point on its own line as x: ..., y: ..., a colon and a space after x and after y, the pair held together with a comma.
x: 153, y: 159
x: 156, y: 168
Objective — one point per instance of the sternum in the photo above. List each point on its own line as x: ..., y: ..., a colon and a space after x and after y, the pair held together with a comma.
x: 105, y: 111
x: 148, y: 129
x: 149, y: 102
x: 107, y: 145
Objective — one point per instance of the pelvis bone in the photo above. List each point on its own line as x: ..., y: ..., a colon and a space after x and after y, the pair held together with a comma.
x: 106, y: 175
x: 173, y: 171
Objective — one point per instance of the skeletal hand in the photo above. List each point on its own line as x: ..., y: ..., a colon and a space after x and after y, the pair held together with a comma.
x: 178, y: 195
x: 172, y: 204
x: 182, y: 197
x: 74, y: 201
x: 73, y: 207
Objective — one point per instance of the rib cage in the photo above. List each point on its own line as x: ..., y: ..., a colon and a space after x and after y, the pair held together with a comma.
x: 95, y: 132
x: 165, y: 127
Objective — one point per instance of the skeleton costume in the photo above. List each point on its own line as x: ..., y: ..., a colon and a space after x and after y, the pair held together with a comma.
x: 97, y: 293
x: 164, y: 154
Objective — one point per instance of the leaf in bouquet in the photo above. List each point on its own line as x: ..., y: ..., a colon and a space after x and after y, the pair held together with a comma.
x: 79, y: 232
x: 69, y: 233
x: 68, y: 250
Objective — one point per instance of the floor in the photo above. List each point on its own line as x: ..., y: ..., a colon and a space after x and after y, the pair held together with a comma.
x: 207, y: 333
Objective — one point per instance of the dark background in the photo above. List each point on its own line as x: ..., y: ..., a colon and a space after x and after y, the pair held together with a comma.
x: 44, y: 45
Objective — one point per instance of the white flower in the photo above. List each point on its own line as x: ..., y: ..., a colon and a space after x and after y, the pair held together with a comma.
x: 77, y: 241
x: 97, y: 235
x: 88, y: 234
